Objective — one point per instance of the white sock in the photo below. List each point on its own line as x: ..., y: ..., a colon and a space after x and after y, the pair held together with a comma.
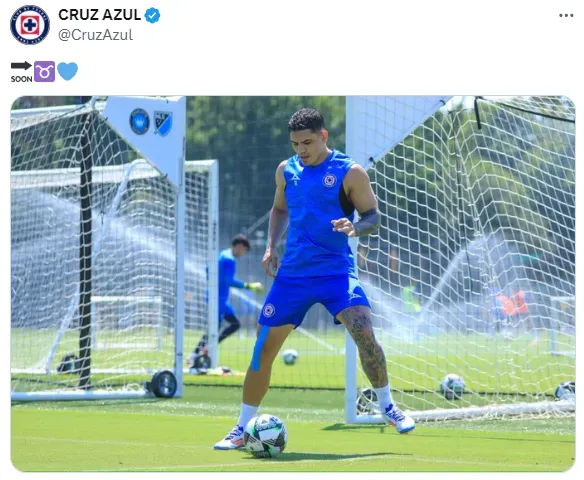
x: 247, y: 413
x: 383, y: 397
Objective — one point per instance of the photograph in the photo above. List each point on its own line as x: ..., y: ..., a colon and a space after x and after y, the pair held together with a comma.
x: 357, y: 283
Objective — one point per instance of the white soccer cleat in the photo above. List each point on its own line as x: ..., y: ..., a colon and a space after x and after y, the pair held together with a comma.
x: 402, y: 423
x: 232, y: 441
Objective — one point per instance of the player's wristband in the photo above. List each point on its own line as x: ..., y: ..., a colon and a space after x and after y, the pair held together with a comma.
x: 368, y: 224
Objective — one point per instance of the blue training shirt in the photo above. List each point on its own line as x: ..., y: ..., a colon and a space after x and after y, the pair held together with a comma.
x: 226, y: 274
x: 313, y: 249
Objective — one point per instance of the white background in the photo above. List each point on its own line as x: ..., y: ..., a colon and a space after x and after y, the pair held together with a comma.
x: 300, y: 47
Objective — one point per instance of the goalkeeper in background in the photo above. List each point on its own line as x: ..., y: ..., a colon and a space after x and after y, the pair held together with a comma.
x: 240, y: 246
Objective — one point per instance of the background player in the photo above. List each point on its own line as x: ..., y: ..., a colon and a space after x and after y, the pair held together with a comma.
x: 316, y: 190
x: 240, y: 246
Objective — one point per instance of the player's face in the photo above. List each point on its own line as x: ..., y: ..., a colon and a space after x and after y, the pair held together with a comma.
x: 239, y: 250
x: 309, y: 146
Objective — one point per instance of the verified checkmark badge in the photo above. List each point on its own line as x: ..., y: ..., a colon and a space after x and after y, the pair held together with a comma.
x: 152, y: 15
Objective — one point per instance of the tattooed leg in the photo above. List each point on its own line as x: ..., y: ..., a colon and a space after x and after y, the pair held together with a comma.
x: 357, y: 320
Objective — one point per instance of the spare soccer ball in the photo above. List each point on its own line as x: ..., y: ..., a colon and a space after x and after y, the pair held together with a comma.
x: 452, y: 386
x: 367, y: 402
x: 265, y: 436
x: 290, y: 356
x: 566, y: 391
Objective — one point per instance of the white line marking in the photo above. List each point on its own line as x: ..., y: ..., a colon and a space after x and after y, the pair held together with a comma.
x: 318, y: 340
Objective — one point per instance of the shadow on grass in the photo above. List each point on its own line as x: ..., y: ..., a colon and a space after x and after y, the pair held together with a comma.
x: 347, y: 428
x: 297, y: 456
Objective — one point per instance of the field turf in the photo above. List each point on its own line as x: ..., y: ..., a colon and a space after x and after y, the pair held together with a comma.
x: 178, y: 434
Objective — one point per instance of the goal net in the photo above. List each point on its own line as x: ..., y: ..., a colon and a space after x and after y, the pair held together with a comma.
x: 473, y: 269
x: 104, y: 326
x: 127, y: 313
x: 562, y: 325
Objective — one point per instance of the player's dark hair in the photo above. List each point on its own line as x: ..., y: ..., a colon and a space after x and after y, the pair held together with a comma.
x: 306, y: 119
x: 240, y: 239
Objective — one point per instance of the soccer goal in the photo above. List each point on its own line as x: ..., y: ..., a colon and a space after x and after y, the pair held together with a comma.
x: 140, y: 314
x: 562, y: 326
x: 111, y: 232
x: 473, y: 269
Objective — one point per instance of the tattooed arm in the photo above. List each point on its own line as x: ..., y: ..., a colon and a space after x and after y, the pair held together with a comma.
x: 360, y: 193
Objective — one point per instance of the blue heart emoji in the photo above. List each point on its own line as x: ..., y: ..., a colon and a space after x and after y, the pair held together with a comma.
x: 67, y: 70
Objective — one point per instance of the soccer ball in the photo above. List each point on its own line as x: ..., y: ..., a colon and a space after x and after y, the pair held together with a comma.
x: 367, y: 401
x: 290, y: 356
x: 265, y: 436
x: 566, y: 391
x: 452, y: 386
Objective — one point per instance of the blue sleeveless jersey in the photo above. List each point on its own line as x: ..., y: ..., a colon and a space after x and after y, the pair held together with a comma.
x: 313, y: 249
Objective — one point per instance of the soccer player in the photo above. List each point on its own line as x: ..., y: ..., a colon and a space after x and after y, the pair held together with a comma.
x: 317, y: 189
x: 226, y: 272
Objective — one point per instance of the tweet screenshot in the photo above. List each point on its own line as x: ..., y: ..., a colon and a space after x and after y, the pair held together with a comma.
x: 304, y: 237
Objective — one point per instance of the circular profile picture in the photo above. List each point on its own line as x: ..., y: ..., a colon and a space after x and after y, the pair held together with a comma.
x: 139, y: 121
x: 329, y: 180
x: 269, y: 310
x: 29, y: 25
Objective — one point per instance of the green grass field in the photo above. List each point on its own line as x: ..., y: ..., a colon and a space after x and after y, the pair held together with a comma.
x: 496, y: 369
x: 488, y: 364
x: 178, y: 434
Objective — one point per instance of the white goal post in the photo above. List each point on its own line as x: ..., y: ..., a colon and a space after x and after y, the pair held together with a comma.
x: 473, y: 269
x: 112, y: 231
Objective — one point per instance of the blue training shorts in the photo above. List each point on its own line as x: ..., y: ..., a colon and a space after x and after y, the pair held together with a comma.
x: 224, y: 310
x: 290, y: 298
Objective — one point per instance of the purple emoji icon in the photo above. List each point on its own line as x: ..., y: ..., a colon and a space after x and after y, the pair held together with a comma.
x: 44, y: 71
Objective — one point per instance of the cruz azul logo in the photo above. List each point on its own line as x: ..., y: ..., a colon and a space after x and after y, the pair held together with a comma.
x: 30, y: 25
x: 329, y: 180
x: 269, y: 310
